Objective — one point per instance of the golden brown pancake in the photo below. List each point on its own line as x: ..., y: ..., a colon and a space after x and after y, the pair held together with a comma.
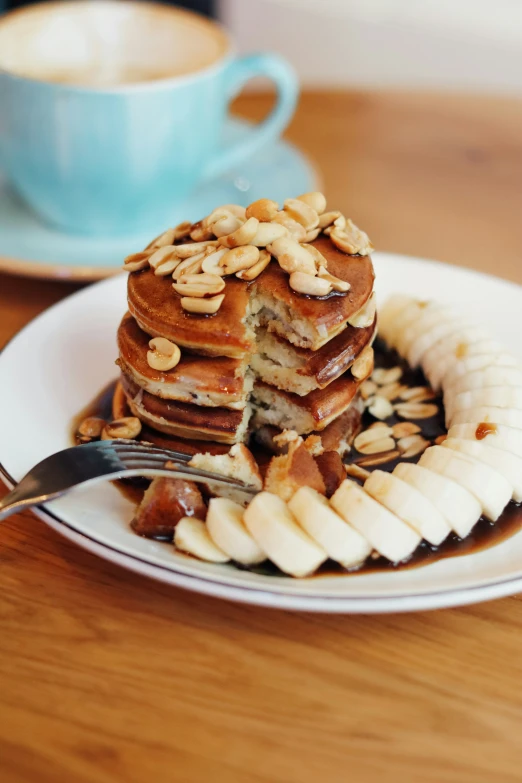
x: 305, y: 414
x: 310, y: 321
x: 301, y: 370
x: 199, y: 380
x: 157, y: 309
x: 184, y: 420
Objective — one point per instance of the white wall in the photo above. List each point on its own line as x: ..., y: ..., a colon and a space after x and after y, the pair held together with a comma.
x: 455, y: 44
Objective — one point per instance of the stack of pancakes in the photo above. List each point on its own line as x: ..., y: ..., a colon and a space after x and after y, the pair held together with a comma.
x: 269, y: 358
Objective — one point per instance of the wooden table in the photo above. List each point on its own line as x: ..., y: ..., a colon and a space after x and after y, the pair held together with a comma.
x: 109, y: 677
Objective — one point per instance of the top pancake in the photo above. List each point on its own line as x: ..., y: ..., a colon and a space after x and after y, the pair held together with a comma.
x: 157, y: 308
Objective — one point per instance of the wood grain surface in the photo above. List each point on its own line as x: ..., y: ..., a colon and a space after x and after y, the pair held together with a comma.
x: 106, y: 676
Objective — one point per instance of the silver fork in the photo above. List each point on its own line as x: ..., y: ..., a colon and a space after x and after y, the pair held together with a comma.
x: 102, y: 461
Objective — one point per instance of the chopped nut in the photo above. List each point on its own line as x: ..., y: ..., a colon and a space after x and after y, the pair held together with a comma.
x: 166, y: 238
x: 194, y: 248
x: 383, y: 376
x: 302, y: 213
x: 90, y: 429
x: 199, y: 232
x: 255, y: 271
x: 127, y: 428
x: 315, y: 199
x: 207, y: 306
x: 377, y: 446
x: 391, y: 390
x: 417, y: 394
x: 163, y: 254
x: 268, y: 233
x: 163, y: 355
x: 412, y: 445
x: 242, y: 236
x: 351, y: 240
x: 226, y: 224
x: 368, y: 389
x: 327, y: 218
x: 380, y: 407
x: 363, y: 365
x: 376, y: 425
x: 136, y: 261
x: 264, y: 209
x: 311, y: 235
x: 356, y: 471
x: 199, y: 285
x: 191, y: 266
x: 416, y: 410
x: 295, y: 229
x: 336, y: 282
x: 379, y: 459
x: 365, y: 440
x: 339, y: 223
x: 236, y: 210
x: 304, y: 283
x: 365, y: 316
x: 405, y: 428
x: 210, y: 263
x: 239, y: 258
x: 292, y: 257
x: 319, y: 259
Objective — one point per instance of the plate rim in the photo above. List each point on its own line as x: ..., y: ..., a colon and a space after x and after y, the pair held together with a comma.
x: 401, y: 602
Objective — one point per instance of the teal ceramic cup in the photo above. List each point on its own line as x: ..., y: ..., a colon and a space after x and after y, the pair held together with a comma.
x: 112, y: 112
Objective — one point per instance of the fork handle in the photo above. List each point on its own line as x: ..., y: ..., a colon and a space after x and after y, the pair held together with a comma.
x: 16, y: 501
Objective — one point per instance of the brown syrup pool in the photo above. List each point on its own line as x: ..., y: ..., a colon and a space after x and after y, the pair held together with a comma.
x: 485, y: 534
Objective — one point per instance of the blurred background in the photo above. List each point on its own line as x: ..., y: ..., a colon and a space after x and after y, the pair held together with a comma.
x: 457, y: 44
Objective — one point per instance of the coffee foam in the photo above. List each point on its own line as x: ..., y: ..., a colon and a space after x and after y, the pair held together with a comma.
x: 102, y: 43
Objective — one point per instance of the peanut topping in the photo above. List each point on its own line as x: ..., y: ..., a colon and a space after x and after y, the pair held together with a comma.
x: 127, y: 428
x: 264, y: 209
x: 163, y: 354
x: 202, y: 306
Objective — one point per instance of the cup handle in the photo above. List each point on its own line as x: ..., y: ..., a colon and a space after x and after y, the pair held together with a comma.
x: 241, y: 71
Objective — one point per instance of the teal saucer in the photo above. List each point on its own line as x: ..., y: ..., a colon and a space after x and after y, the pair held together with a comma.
x: 31, y: 248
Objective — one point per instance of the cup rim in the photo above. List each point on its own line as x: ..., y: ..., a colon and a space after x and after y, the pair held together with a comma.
x: 145, y: 86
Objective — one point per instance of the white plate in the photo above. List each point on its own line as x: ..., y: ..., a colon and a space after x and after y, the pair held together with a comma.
x: 61, y: 360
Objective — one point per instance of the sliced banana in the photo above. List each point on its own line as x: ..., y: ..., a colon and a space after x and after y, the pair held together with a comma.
x: 470, y: 364
x: 427, y: 319
x: 228, y: 531
x: 339, y: 539
x: 485, y: 378
x: 494, y: 396
x: 402, y: 320
x: 509, y: 416
x: 503, y: 461
x: 498, y: 435
x: 191, y: 536
x: 390, y: 312
x: 490, y: 488
x: 427, y: 340
x: 460, y: 508
x: 408, y: 504
x: 277, y: 533
x: 386, y: 533
x: 448, y: 352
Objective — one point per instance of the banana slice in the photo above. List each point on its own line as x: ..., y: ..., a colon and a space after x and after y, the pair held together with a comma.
x: 272, y: 525
x: 460, y: 508
x: 509, y: 416
x: 494, y: 396
x: 428, y: 319
x: 506, y: 463
x: 191, y: 536
x: 481, y: 361
x: 439, y: 359
x: 339, y: 539
x: 227, y: 530
x: 408, y: 315
x: 408, y: 504
x: 498, y: 435
x: 388, y: 534
x: 391, y: 310
x: 424, y: 342
x: 485, y: 378
x: 491, y: 489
